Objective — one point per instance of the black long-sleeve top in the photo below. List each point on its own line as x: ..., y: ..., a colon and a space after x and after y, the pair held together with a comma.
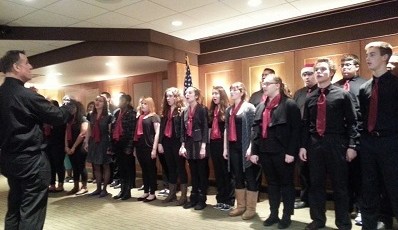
x: 387, y: 109
x: 355, y: 83
x: 256, y: 97
x: 341, y: 118
x: 129, y: 122
x: 22, y: 114
x: 301, y: 95
x: 284, y: 128
x: 176, y: 126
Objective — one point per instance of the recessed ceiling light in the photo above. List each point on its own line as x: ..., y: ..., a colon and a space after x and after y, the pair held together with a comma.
x: 254, y: 3
x: 176, y: 23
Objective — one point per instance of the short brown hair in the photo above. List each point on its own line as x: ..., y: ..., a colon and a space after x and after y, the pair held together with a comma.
x: 350, y: 57
x: 384, y: 47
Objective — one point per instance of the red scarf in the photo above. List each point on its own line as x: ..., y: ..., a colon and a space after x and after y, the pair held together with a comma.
x: 267, y: 114
x: 215, y: 130
x: 118, y: 131
x: 69, y: 129
x: 191, y: 113
x: 139, y: 130
x: 169, y: 125
x: 232, y: 125
x: 96, y: 130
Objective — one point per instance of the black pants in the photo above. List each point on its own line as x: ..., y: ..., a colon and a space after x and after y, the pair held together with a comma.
x: 175, y: 163
x: 327, y: 155
x: 225, y: 184
x: 28, y: 178
x: 56, y: 156
x: 78, y: 161
x: 379, y: 161
x: 243, y: 178
x: 126, y: 165
x: 165, y: 170
x: 304, y: 174
x: 280, y: 179
x: 354, y: 183
x: 114, y: 166
x: 148, y: 167
x: 199, y: 169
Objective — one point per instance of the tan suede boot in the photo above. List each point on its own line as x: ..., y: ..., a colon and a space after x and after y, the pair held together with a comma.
x: 251, y: 203
x: 240, y: 195
x: 183, y: 198
x: 172, y: 194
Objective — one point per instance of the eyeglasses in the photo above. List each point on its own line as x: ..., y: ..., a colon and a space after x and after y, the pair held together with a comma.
x: 268, y: 83
x: 348, y: 65
x: 307, y: 73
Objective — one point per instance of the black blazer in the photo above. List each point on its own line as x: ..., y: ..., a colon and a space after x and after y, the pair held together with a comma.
x: 286, y: 118
x: 200, y: 129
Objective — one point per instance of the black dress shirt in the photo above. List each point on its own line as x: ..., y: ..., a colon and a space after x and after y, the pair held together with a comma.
x: 355, y: 84
x: 340, y: 116
x: 256, y: 97
x: 22, y: 114
x: 387, y: 109
x: 301, y: 95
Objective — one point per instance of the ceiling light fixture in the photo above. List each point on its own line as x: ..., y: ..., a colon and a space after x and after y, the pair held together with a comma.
x: 254, y: 3
x: 176, y: 23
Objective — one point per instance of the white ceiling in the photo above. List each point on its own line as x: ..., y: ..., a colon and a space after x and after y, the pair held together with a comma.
x: 200, y: 19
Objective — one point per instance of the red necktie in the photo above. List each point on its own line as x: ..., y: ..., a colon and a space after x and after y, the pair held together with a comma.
x: 373, y: 106
x: 346, y: 86
x: 321, y: 113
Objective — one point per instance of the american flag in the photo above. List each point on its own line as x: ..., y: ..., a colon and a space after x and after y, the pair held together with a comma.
x: 188, y: 77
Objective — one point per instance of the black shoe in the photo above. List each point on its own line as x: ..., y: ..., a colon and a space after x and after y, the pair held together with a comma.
x: 118, y: 196
x: 149, y: 200
x: 300, y: 204
x: 103, y: 193
x: 200, y: 206
x: 189, y: 204
x: 271, y: 220
x: 313, y: 226
x: 126, y: 197
x: 142, y: 198
x: 95, y: 193
x: 284, y: 223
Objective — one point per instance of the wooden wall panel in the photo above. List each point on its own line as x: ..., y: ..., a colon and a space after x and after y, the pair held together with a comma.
x: 223, y: 74
x: 253, y: 68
